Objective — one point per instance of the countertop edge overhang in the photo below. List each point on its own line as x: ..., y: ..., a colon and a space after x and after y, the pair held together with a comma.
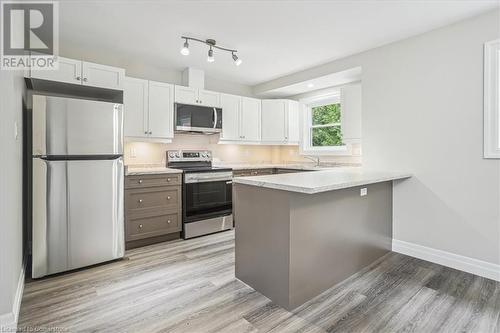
x: 321, y: 181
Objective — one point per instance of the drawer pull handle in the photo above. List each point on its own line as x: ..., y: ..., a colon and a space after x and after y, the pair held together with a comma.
x: 140, y: 200
x: 168, y: 179
x: 168, y: 221
x: 140, y: 226
x: 140, y: 181
x: 169, y: 197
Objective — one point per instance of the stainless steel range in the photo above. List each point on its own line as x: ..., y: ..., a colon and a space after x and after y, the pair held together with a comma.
x: 206, y: 193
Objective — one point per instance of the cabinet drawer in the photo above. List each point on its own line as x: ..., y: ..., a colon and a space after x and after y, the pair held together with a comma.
x: 145, y: 227
x: 151, y: 199
x: 141, y: 181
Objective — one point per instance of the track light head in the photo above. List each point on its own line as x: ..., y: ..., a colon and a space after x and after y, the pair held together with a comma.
x: 210, y: 57
x: 185, y: 48
x: 237, y: 61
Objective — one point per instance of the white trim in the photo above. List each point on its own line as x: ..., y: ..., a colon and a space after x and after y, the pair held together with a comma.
x: 8, y: 321
x: 491, y: 99
x: 466, y: 264
x: 305, y: 148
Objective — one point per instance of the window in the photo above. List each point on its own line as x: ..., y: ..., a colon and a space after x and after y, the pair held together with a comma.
x: 322, y: 132
x: 325, y: 126
x: 491, y: 99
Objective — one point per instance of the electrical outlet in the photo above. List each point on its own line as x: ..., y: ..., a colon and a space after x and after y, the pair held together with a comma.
x: 363, y: 191
x: 132, y: 152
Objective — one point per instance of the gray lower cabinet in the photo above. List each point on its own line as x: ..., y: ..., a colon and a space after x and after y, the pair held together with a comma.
x: 267, y: 171
x: 153, y: 205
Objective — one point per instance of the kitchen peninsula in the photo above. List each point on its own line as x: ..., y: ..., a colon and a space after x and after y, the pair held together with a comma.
x: 299, y: 234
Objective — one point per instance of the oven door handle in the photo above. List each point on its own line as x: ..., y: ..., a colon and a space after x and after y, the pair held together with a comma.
x: 207, y: 180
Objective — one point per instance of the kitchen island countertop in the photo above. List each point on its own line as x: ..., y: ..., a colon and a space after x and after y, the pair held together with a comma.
x: 322, y: 180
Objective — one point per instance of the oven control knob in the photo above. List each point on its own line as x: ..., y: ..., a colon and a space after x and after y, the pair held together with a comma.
x: 171, y: 154
x: 177, y: 155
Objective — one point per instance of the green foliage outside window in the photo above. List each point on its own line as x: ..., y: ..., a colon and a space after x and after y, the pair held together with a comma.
x: 326, y: 135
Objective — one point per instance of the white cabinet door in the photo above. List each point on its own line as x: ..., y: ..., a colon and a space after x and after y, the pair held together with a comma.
x: 250, y: 119
x: 274, y: 114
x: 350, y: 100
x: 208, y: 98
x: 186, y: 95
x: 135, y: 102
x: 69, y: 71
x: 230, y: 117
x: 103, y: 76
x: 161, y: 110
x: 293, y: 122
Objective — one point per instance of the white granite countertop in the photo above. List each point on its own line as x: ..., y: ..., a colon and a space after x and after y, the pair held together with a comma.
x: 145, y: 170
x: 323, y: 180
x: 302, y: 166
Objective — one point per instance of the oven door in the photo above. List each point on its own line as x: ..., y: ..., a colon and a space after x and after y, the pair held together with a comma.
x: 207, y: 195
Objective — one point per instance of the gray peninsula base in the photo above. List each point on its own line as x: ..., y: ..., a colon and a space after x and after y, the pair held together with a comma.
x: 292, y: 246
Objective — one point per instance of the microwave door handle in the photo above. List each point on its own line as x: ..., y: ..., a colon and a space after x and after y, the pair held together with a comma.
x: 215, y: 117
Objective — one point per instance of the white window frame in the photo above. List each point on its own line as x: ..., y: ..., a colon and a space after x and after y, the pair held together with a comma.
x: 491, y: 99
x: 306, y: 147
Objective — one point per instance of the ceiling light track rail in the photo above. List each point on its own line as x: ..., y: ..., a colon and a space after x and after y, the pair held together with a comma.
x: 211, y: 44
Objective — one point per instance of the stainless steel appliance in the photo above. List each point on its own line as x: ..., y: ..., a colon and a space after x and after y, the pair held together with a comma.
x: 206, y: 193
x: 196, y: 118
x: 77, y: 183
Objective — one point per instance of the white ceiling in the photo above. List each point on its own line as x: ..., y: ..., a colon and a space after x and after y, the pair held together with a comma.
x: 274, y: 38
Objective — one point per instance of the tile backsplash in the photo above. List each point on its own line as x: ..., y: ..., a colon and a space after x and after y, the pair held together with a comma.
x: 145, y: 153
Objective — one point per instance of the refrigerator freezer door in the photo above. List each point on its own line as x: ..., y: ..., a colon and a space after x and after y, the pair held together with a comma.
x: 77, y: 214
x: 68, y: 126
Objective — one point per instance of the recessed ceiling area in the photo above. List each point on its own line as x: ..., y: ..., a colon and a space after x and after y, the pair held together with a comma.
x: 314, y: 85
x: 273, y: 38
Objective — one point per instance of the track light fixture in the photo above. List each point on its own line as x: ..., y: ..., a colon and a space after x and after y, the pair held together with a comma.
x: 185, y: 48
x: 212, y: 44
x: 237, y: 61
x: 210, y: 57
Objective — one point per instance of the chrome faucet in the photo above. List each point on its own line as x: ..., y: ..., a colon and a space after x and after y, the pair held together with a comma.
x: 314, y: 159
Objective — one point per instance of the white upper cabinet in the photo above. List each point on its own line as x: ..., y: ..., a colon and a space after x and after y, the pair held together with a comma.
x: 102, y: 76
x: 230, y: 105
x: 274, y: 119
x: 208, y: 98
x: 186, y: 95
x: 84, y: 73
x: 350, y: 99
x: 69, y: 71
x: 250, y: 115
x: 161, y: 110
x: 149, y: 110
x: 195, y: 96
x: 280, y: 121
x: 135, y: 101
x: 293, y: 122
x: 240, y: 118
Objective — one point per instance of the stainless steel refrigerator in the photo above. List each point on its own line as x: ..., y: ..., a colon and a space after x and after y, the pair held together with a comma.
x: 77, y: 183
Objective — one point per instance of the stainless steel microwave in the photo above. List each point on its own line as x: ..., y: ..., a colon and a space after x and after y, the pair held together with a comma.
x: 196, y: 118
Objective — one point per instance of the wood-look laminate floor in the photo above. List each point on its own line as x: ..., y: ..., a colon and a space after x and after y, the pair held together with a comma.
x: 189, y: 286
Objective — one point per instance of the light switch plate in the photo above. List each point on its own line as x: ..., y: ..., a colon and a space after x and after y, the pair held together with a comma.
x: 363, y: 191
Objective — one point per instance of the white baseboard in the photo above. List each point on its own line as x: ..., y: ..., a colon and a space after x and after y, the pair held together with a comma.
x: 9, y: 320
x: 462, y: 263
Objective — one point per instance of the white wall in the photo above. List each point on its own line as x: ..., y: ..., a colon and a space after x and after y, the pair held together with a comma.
x: 423, y: 113
x: 11, y: 93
